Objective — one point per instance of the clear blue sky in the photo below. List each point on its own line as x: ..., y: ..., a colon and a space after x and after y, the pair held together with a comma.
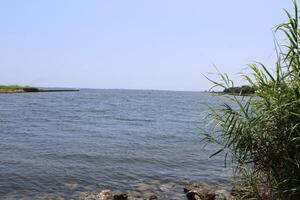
x: 134, y: 44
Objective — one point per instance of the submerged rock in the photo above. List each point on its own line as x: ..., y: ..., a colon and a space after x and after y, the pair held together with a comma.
x: 199, y: 192
x: 207, y: 192
x: 71, y: 186
x: 115, y: 195
x: 166, y: 187
x: 192, y: 192
x: 121, y: 196
x: 153, y: 197
x: 196, y: 195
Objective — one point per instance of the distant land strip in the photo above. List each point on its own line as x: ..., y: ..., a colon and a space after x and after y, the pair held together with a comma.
x: 28, y: 89
x: 57, y: 90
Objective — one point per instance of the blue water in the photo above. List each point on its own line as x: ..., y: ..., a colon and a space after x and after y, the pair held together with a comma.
x: 61, y: 144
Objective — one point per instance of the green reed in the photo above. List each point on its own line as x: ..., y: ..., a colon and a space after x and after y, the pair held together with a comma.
x: 263, y: 132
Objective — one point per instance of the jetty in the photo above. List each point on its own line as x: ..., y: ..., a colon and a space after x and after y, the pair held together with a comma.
x: 58, y: 90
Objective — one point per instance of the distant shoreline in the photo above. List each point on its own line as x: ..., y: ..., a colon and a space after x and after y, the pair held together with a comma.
x: 59, y: 90
x: 231, y: 94
x: 13, y: 89
x: 39, y: 91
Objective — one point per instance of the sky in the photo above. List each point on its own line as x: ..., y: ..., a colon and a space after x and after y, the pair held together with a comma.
x: 134, y: 44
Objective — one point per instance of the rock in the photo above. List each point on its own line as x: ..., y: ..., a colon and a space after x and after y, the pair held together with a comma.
x: 88, y: 196
x: 105, y: 194
x: 153, y: 197
x: 115, y: 195
x: 194, y: 195
x: 141, y: 186
x: 210, y: 196
x: 198, y: 192
x: 121, y: 196
x: 196, y: 187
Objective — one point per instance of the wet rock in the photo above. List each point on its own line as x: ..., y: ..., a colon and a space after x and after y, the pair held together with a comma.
x: 191, y: 187
x: 194, y: 195
x: 199, y: 192
x: 148, y: 194
x: 210, y: 196
x: 121, y: 196
x: 88, y: 196
x: 143, y: 187
x: 153, y: 197
x: 115, y: 195
x: 105, y: 194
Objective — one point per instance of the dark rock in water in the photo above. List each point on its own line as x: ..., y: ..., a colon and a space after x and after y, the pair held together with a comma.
x: 195, y: 187
x: 121, y: 196
x: 153, y: 197
x: 194, y: 195
x: 192, y: 192
x: 210, y: 196
x: 115, y: 195
x: 198, y: 192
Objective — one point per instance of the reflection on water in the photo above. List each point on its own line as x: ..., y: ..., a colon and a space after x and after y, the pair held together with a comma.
x: 56, y: 145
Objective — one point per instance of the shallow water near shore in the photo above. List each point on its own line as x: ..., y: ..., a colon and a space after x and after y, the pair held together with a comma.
x: 60, y: 144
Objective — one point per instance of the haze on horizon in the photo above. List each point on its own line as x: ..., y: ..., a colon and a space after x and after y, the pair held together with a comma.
x: 134, y: 44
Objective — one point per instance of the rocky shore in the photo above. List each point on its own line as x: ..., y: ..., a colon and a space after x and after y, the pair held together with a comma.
x: 191, y: 192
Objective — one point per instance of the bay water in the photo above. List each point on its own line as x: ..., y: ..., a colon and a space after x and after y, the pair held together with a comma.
x: 57, y: 145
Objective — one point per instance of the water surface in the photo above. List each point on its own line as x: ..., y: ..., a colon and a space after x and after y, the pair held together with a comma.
x: 61, y: 144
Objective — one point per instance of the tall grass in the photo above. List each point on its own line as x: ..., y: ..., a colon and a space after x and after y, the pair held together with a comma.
x: 263, y: 132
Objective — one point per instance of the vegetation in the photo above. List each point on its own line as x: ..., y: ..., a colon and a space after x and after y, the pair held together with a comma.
x: 17, y: 88
x: 263, y: 132
x: 244, y: 90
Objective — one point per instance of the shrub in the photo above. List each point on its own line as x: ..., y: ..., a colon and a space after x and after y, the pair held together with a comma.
x: 263, y: 132
x: 30, y: 89
x: 244, y: 90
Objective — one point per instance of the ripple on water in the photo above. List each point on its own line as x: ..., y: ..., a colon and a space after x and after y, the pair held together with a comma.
x: 56, y: 145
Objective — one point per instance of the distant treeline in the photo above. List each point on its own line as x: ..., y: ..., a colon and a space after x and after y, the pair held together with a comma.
x: 17, y: 88
x: 23, y: 89
x: 244, y: 90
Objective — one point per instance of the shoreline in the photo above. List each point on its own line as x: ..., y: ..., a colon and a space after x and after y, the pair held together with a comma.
x: 39, y: 90
x: 146, y: 191
x: 231, y: 94
x: 191, y: 191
